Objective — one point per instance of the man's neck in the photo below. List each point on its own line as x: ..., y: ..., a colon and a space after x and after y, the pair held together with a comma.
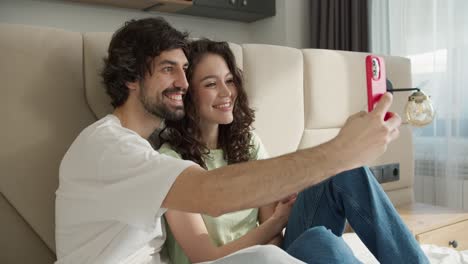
x: 138, y: 120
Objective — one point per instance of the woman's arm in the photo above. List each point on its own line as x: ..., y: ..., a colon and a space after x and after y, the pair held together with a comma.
x: 190, y: 232
x: 264, y: 213
x: 280, y: 209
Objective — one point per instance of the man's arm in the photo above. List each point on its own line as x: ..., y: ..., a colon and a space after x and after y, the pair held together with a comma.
x: 363, y: 138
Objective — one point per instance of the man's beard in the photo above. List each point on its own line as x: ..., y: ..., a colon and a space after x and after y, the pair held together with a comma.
x: 160, y: 110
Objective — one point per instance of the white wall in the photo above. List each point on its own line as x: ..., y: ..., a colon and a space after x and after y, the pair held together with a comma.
x: 288, y: 28
x: 298, y: 23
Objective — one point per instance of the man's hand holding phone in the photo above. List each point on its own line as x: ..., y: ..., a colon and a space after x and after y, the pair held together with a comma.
x: 376, y: 80
x: 365, y: 136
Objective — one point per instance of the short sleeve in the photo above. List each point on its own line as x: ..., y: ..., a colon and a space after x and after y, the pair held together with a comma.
x: 135, y: 181
x: 258, y: 151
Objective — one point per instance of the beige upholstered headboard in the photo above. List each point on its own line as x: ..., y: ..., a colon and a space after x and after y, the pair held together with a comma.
x: 51, y: 90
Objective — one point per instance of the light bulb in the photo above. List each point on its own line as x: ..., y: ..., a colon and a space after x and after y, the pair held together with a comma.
x: 419, y: 110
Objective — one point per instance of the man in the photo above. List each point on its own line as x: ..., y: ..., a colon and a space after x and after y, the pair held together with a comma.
x: 114, y: 187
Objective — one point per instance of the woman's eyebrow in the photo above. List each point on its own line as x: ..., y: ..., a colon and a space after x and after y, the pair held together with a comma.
x: 208, y: 77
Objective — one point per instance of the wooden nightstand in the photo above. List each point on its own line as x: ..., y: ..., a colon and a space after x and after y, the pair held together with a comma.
x: 436, y: 225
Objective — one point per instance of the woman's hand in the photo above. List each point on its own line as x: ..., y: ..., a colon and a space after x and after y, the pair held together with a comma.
x: 283, y: 209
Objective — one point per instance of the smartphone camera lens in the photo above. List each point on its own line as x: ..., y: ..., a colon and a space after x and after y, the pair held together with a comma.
x: 375, y: 68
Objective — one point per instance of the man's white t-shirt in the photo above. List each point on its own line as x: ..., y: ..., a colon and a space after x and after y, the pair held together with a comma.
x: 108, y: 204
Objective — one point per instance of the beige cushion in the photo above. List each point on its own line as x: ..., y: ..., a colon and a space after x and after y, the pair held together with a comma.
x: 42, y: 94
x: 95, y: 50
x: 18, y: 242
x: 335, y: 88
x: 398, y: 70
x: 274, y: 84
x: 237, y: 51
x: 315, y: 137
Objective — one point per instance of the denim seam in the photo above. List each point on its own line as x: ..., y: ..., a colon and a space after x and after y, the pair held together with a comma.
x: 353, y: 203
x: 315, y: 201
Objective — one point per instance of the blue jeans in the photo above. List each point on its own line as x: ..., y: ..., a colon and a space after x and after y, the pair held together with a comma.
x: 317, y: 221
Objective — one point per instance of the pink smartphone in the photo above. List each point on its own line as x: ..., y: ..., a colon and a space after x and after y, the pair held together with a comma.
x: 376, y: 81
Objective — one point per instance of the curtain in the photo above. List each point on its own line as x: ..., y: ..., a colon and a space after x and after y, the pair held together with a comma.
x: 379, y: 26
x: 339, y: 25
x: 434, y: 35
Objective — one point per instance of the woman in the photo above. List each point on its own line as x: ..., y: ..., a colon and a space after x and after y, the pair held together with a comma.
x: 216, y: 131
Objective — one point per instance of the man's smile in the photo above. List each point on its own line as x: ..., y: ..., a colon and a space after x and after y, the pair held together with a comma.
x: 175, y: 97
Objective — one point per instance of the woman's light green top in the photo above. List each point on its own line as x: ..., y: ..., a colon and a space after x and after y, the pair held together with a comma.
x: 227, y: 227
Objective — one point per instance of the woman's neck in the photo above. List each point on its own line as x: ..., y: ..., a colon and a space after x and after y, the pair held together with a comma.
x: 209, y: 134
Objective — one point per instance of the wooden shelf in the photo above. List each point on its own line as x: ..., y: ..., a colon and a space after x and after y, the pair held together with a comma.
x: 422, y: 218
x: 436, y: 225
x: 245, y: 11
x: 134, y: 4
x: 170, y: 6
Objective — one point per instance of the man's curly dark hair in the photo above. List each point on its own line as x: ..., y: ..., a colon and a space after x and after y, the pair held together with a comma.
x: 234, y: 138
x: 131, y: 53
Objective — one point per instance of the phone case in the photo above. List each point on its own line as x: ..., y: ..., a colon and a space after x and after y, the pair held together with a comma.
x: 376, y: 81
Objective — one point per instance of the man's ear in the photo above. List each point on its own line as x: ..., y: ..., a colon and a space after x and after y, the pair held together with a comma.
x: 133, y: 86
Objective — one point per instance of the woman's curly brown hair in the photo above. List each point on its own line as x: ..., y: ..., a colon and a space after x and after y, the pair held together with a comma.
x: 184, y: 135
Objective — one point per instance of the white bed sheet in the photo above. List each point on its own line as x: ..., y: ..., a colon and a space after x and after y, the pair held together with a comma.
x: 436, y: 254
